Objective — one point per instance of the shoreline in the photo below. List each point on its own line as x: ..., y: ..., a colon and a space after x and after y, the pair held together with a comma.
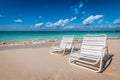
x: 2, y: 44
x: 47, y: 41
x: 26, y: 42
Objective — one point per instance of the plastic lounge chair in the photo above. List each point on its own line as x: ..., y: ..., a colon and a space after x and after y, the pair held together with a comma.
x: 64, y: 45
x: 92, y: 53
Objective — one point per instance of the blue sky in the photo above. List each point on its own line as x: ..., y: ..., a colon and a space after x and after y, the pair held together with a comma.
x: 83, y: 15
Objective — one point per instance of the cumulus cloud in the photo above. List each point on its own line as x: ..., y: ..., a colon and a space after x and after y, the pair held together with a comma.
x: 18, y: 20
x: 58, y: 23
x: 38, y: 25
x: 49, y: 24
x: 117, y: 21
x: 91, y: 19
x: 61, y: 22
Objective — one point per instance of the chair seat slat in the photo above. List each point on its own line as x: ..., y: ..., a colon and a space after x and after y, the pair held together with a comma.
x: 92, y: 47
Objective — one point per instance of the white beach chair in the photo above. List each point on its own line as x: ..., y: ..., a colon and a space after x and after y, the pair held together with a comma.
x: 92, y: 53
x: 64, y: 45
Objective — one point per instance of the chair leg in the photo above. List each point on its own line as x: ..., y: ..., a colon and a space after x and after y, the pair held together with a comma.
x: 63, y: 53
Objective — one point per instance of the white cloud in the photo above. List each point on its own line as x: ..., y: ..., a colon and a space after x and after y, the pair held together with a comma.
x: 39, y: 25
x: 18, y: 20
x: 49, y: 24
x: 74, y: 18
x: 100, y: 21
x: 91, y: 19
x: 60, y: 22
x: 117, y: 21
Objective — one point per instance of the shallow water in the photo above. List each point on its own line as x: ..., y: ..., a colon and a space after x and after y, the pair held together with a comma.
x: 16, y: 36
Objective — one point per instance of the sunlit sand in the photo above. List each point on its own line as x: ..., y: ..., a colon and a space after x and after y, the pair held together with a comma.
x: 36, y: 63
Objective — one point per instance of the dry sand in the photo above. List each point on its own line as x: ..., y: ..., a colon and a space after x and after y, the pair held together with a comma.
x: 38, y: 64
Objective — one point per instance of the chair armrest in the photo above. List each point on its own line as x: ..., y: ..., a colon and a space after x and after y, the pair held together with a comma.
x: 106, y: 47
x: 104, y: 50
x: 67, y: 44
x: 72, y: 49
x: 77, y: 46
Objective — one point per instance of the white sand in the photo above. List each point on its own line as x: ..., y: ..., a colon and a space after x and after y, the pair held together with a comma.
x: 39, y: 64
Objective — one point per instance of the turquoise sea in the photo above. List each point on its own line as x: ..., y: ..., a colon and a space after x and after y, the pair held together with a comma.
x: 16, y: 36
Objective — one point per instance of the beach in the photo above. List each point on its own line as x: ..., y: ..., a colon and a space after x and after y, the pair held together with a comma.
x: 34, y: 62
x: 43, y: 39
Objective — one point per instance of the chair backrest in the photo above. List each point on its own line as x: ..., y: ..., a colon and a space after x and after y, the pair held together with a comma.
x: 93, y: 44
x: 66, y: 42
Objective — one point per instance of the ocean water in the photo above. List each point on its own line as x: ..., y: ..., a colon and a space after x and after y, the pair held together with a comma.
x: 16, y: 36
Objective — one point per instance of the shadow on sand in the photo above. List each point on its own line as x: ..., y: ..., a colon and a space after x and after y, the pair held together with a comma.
x: 107, y: 61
